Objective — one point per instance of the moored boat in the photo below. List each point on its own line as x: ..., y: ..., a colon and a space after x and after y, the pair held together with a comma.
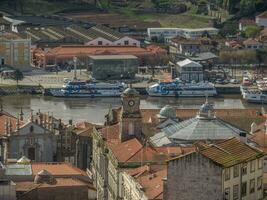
x: 177, y: 88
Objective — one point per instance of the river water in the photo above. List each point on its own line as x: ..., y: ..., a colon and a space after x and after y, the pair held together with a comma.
x: 94, y: 109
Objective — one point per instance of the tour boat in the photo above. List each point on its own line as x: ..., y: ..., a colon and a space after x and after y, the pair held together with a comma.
x: 254, y: 94
x: 177, y: 88
x: 79, y: 88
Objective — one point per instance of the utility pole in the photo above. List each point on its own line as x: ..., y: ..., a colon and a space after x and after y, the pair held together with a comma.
x: 75, y: 67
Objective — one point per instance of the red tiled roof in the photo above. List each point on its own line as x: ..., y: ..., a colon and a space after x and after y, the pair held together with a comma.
x: 251, y: 41
x: 126, y: 150
x: 230, y: 152
x: 57, y: 169
x: 68, y: 50
x: 151, y: 181
x: 25, y: 186
x: 263, y: 15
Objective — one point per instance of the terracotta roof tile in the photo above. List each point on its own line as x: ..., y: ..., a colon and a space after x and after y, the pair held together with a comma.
x: 230, y: 152
x: 124, y: 151
x: 69, y: 50
x: 263, y: 15
x: 152, y: 182
x: 251, y: 41
x: 57, y: 169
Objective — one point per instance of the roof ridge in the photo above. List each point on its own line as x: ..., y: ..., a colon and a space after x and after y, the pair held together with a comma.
x: 135, y: 152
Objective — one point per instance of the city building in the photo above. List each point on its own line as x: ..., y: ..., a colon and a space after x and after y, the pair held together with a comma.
x: 113, y: 66
x: 144, y: 182
x: 225, y: 170
x: 200, y: 32
x: 15, y: 51
x: 181, y: 45
x: 53, y: 36
x: 189, y: 70
x: 123, y: 145
x: 7, y: 189
x: 261, y: 19
x: 63, y: 55
x: 252, y: 43
x: 51, y: 180
x: 204, y: 127
x: 166, y: 34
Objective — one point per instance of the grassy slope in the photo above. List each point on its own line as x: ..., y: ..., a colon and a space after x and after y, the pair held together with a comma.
x: 185, y: 20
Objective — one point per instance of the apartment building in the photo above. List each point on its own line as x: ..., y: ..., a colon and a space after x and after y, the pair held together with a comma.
x: 15, y: 51
x: 227, y: 170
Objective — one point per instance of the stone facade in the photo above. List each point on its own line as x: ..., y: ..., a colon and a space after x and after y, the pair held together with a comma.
x: 33, y: 141
x: 114, y: 66
x: 193, y: 176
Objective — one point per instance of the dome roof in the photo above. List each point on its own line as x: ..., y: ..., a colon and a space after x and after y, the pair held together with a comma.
x: 44, y: 176
x: 130, y: 91
x: 206, y: 111
x: 167, y: 112
x: 23, y: 160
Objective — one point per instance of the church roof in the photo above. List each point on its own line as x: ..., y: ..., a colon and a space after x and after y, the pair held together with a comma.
x: 205, y: 126
x: 167, y: 112
x: 23, y: 160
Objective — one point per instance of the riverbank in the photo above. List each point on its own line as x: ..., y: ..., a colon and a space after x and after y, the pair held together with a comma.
x: 20, y: 89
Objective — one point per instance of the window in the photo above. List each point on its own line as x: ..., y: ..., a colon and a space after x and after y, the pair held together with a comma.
x: 259, y: 183
x: 126, y: 42
x: 244, y: 189
x: 252, y: 186
x: 227, y: 174
x: 252, y: 166
x: 260, y: 163
x: 244, y: 169
x: 99, y: 42
x: 236, y: 171
x: 227, y: 194
x: 235, y: 192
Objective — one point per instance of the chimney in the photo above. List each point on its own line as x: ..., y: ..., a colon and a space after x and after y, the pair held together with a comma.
x: 21, y: 114
x: 6, y: 127
x: 17, y: 124
x: 70, y: 122
x: 243, y: 137
x: 10, y: 126
x: 253, y: 127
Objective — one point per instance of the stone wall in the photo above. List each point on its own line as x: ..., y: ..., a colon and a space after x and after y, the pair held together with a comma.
x: 193, y: 177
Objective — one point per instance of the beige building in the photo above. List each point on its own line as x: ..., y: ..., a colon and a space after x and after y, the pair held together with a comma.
x: 15, y: 51
x: 228, y: 170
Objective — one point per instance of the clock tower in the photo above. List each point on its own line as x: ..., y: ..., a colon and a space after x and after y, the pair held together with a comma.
x: 131, y: 119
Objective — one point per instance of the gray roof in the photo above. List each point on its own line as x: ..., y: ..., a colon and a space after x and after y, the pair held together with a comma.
x: 18, y: 169
x: 203, y: 56
x: 196, y: 129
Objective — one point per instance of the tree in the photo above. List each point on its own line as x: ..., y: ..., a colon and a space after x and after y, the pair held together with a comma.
x: 17, y: 76
x: 252, y: 31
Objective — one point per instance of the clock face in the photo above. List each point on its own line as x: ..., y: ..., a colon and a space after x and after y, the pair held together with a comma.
x: 131, y: 103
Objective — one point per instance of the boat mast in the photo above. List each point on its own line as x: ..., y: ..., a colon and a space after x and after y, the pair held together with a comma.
x: 75, y: 67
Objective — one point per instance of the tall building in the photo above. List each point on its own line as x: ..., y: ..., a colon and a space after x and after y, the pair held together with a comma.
x: 15, y: 51
x: 227, y: 170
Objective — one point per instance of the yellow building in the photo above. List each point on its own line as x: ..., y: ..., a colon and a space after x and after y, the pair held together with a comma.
x: 15, y: 51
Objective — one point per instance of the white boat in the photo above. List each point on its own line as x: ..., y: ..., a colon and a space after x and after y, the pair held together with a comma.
x: 254, y: 94
x: 78, y: 88
x: 177, y: 88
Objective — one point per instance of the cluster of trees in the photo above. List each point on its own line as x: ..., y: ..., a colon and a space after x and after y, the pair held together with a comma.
x: 243, y: 7
x: 243, y: 57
